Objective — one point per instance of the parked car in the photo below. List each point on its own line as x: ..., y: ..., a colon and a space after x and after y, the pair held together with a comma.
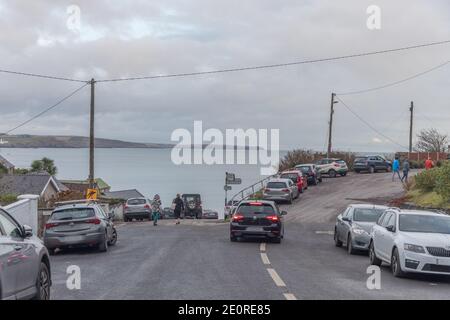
x: 280, y: 190
x: 137, y: 208
x: 210, y: 214
x: 24, y: 262
x: 314, y: 175
x: 257, y: 219
x: 297, y: 177
x: 167, y: 213
x: 354, y: 225
x: 79, y: 225
x: 332, y: 167
x: 192, y: 206
x: 412, y: 241
x: 371, y: 164
x: 230, y: 207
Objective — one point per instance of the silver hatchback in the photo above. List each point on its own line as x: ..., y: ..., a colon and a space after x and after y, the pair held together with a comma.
x: 24, y: 262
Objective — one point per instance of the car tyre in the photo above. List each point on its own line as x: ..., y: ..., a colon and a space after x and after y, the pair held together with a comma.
x: 374, y: 260
x: 350, y: 248
x: 396, y: 266
x: 343, y: 174
x: 113, y: 240
x: 332, y: 174
x: 371, y: 169
x: 43, y: 283
x: 103, y: 246
x: 276, y: 240
x: 233, y: 239
x: 337, y: 242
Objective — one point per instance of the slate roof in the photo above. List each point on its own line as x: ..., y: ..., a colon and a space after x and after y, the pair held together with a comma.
x: 25, y: 183
x: 6, y: 163
x: 124, y: 194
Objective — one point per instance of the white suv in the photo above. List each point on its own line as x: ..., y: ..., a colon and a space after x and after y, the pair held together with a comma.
x: 412, y: 241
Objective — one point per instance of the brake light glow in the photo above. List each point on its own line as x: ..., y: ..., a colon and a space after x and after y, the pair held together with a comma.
x: 255, y: 203
x: 286, y: 190
x: 238, y: 217
x: 51, y: 225
x: 147, y: 206
x: 273, y: 218
x: 94, y: 221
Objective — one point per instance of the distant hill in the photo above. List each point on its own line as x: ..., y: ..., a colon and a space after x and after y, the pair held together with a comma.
x: 32, y: 141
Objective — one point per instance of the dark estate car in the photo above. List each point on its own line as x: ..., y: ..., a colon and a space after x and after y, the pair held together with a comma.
x: 192, y: 206
x: 371, y: 164
x: 312, y: 172
x: 78, y: 225
x: 257, y: 219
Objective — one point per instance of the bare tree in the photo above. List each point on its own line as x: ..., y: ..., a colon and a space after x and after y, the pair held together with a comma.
x: 430, y: 140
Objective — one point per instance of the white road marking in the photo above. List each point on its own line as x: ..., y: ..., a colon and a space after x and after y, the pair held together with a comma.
x: 276, y: 278
x: 331, y: 233
x: 262, y: 247
x: 265, y: 258
x: 289, y: 296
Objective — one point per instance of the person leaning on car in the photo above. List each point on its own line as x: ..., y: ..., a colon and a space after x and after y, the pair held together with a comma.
x: 178, y: 206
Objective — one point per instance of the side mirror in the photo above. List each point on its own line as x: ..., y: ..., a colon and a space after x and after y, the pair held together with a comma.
x: 27, y: 231
x: 283, y: 213
x: 390, y: 228
x: 346, y: 219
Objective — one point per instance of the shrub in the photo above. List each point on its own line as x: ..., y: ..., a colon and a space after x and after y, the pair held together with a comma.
x: 443, y: 182
x: 7, y: 199
x: 426, y: 180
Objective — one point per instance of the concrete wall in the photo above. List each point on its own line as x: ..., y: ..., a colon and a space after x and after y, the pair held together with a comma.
x: 25, y: 211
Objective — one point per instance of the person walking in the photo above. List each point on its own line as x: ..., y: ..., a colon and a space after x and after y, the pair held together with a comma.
x: 156, y: 209
x: 429, y: 164
x: 178, y: 207
x: 396, y: 169
x: 405, y: 170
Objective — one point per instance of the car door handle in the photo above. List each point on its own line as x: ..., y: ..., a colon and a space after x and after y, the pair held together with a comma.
x: 17, y: 247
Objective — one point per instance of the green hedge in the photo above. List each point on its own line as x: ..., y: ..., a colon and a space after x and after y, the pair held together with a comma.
x: 436, y: 179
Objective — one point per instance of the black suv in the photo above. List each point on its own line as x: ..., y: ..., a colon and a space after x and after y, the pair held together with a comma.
x: 257, y: 219
x: 192, y: 206
x: 371, y: 164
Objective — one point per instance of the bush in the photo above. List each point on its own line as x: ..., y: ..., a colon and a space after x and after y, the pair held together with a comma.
x: 426, y: 180
x: 443, y: 182
x: 7, y: 199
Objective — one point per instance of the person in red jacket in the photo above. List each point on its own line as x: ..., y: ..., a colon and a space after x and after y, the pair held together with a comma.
x: 429, y: 164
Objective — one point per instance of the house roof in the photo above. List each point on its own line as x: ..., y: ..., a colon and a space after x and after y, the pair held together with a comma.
x: 101, y: 184
x: 6, y: 163
x: 26, y: 183
x: 124, y: 194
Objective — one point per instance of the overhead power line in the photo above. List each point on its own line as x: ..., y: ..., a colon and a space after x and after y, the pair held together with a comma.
x: 46, y: 110
x: 40, y: 76
x: 278, y: 65
x: 370, y: 126
x: 396, y: 82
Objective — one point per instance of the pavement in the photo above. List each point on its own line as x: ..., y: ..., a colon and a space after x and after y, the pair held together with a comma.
x: 196, y: 260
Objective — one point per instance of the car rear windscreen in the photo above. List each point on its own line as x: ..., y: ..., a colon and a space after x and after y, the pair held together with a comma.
x: 304, y: 169
x: 292, y: 176
x: 340, y: 161
x: 361, y: 159
x: 247, y: 209
x: 135, y: 202
x: 73, y: 214
x: 424, y: 223
x: 367, y: 214
x: 276, y: 185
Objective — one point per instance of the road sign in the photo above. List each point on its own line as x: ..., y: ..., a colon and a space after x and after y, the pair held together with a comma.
x: 91, y: 194
x: 231, y: 179
x: 226, y: 187
x: 235, y: 181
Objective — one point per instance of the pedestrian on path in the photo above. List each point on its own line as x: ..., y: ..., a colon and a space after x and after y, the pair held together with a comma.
x: 178, y: 207
x: 156, y: 209
x: 405, y: 170
x: 396, y: 169
x: 429, y: 164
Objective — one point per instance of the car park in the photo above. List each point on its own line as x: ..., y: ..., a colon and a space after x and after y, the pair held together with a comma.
x: 353, y: 226
x: 192, y: 206
x: 79, y: 225
x: 412, y: 241
x: 257, y: 219
x: 313, y: 174
x: 371, y: 164
x: 280, y: 190
x: 297, y: 178
x: 25, y: 271
x: 137, y: 208
x: 332, y: 167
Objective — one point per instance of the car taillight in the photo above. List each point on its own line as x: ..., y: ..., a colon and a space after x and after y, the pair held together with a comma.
x: 147, y: 206
x: 266, y: 190
x: 93, y: 221
x: 50, y: 225
x: 273, y: 218
x: 286, y: 190
x: 237, y: 217
x: 337, y: 165
x: 125, y: 207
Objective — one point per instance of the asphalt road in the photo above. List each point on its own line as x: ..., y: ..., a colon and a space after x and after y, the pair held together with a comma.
x: 197, y: 260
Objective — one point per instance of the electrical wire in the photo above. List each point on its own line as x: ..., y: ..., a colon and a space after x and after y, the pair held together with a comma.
x: 396, y: 82
x: 278, y: 65
x: 45, y: 111
x: 370, y: 126
x: 40, y: 76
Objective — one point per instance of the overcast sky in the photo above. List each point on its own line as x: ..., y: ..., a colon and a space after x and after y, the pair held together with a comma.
x: 133, y: 38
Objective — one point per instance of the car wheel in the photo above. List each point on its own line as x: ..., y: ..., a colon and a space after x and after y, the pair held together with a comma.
x: 373, y: 256
x: 343, y: 174
x: 350, y: 248
x: 371, y: 169
x: 332, y: 173
x: 43, y: 283
x: 396, y: 265
x: 233, y: 239
x: 103, y: 246
x: 113, y: 238
x: 337, y: 242
x: 276, y: 240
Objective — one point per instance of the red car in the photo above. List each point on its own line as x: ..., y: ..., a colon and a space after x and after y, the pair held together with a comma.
x: 297, y: 177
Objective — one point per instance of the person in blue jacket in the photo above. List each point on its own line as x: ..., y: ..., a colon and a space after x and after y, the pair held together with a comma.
x: 396, y: 169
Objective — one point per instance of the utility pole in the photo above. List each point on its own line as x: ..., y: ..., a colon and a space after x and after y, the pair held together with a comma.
x: 92, y: 137
x: 411, y: 109
x: 330, y: 123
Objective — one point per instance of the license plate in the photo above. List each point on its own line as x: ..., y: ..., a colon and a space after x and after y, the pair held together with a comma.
x: 73, y: 238
x: 254, y: 229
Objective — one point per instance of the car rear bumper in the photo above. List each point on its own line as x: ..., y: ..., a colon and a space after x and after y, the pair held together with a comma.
x: 142, y: 214
x: 278, y: 197
x: 424, y: 263
x: 361, y: 242
x: 52, y: 242
x: 270, y: 231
